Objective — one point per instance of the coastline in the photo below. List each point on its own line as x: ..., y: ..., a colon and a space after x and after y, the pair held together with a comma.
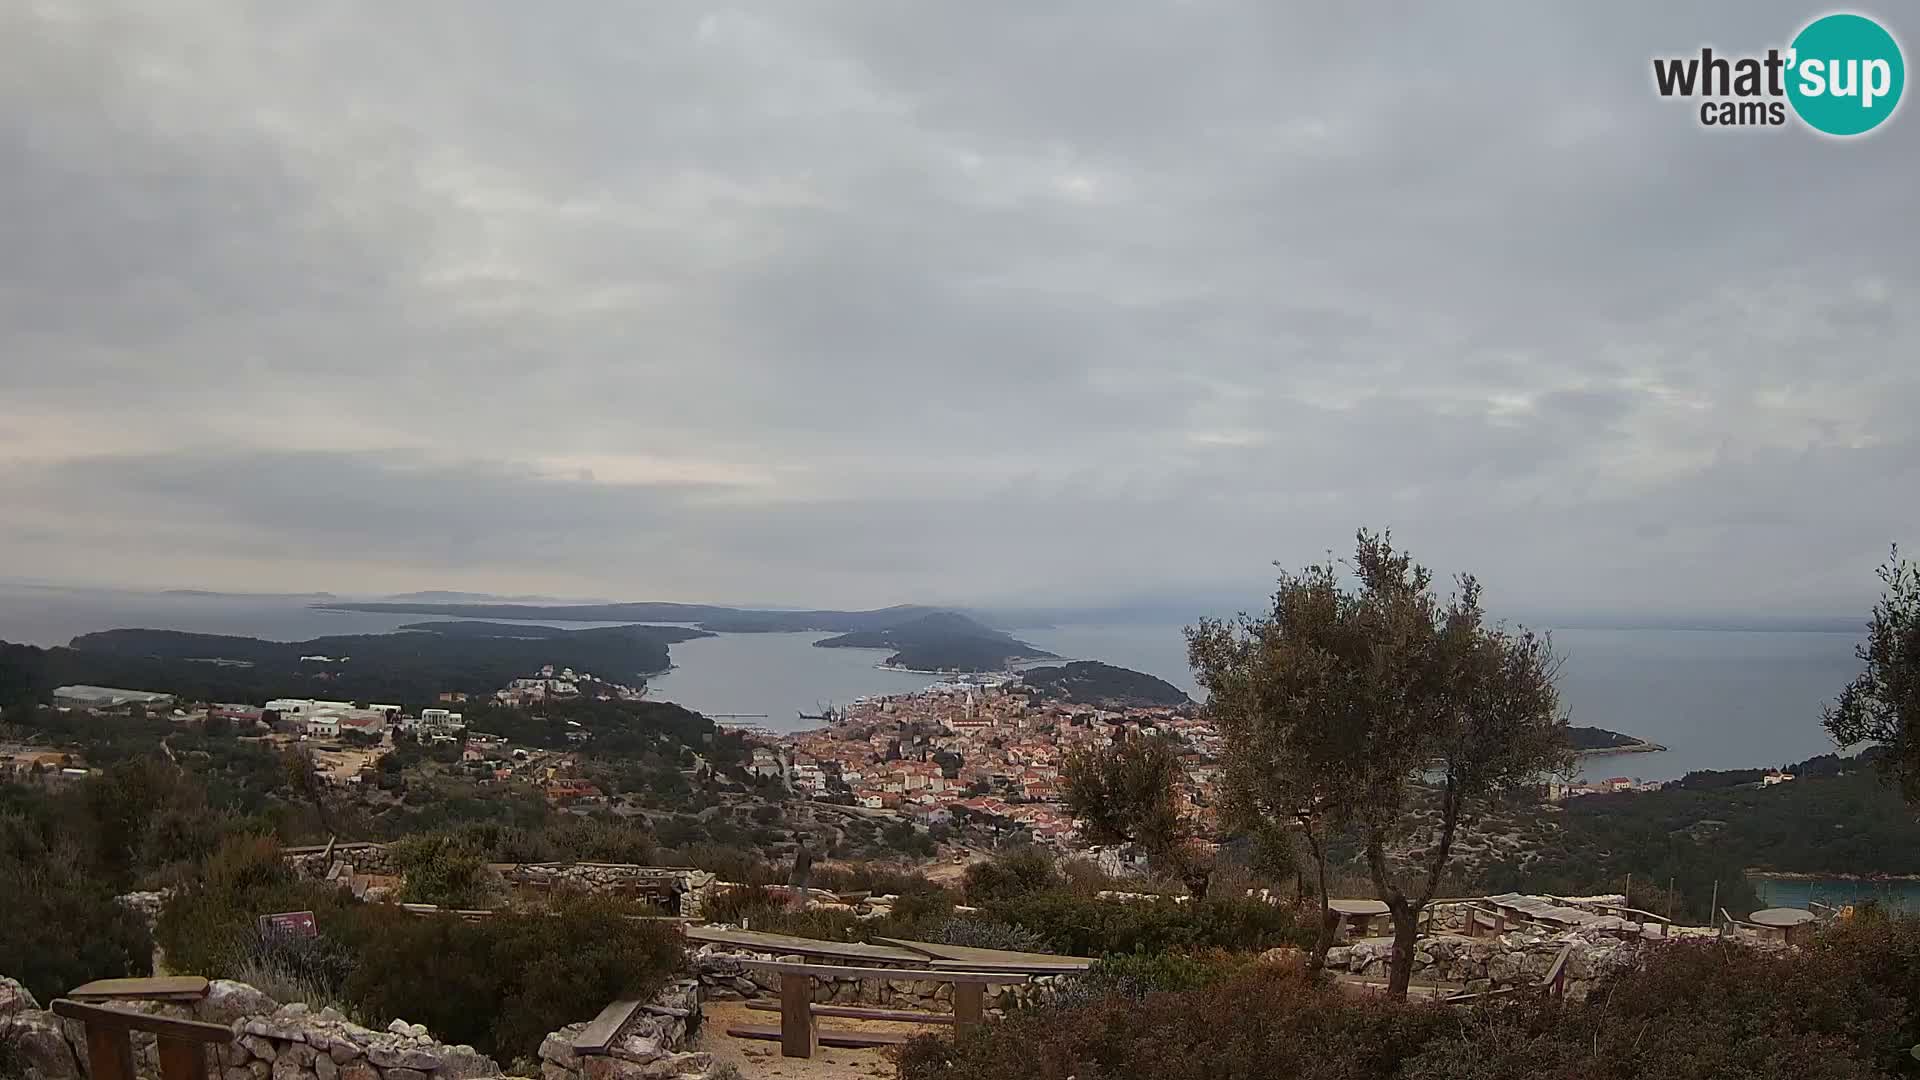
x: 1639, y: 746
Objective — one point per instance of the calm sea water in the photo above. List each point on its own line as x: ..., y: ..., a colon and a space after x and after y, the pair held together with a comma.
x: 1717, y: 699
x: 1780, y: 892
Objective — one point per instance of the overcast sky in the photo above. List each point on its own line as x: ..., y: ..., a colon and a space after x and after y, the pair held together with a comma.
x: 990, y: 302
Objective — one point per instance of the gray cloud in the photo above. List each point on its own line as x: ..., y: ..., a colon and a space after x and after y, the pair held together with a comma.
x: 824, y: 302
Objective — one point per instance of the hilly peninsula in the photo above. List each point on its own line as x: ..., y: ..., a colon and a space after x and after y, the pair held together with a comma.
x: 1090, y: 682
x: 408, y: 667
x: 943, y: 641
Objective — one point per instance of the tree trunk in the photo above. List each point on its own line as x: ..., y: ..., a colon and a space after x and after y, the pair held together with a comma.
x: 1323, y: 941
x: 1406, y: 932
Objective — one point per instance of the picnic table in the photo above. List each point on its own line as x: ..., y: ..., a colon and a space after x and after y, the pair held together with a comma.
x: 1357, y: 915
x: 1787, y: 920
x: 799, y: 1036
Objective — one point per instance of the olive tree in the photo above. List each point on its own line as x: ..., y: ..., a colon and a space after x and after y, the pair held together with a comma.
x: 1366, y: 700
x: 1127, y: 792
x: 1882, y: 703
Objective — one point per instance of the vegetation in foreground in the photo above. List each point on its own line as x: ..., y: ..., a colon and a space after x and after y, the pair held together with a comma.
x: 1848, y: 1006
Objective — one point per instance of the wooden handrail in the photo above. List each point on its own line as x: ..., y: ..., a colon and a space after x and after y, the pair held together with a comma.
x: 832, y: 971
x: 182, y: 1044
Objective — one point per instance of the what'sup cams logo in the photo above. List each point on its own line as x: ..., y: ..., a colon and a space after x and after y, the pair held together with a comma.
x: 1842, y: 75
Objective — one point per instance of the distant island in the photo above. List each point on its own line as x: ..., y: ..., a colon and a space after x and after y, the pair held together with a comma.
x: 408, y: 667
x: 1593, y: 740
x: 941, y: 641
x: 724, y: 620
x: 1090, y: 682
x: 920, y: 638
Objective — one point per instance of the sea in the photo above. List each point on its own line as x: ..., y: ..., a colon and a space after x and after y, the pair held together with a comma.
x: 1717, y: 699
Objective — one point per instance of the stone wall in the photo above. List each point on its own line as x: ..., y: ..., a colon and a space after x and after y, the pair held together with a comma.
x: 724, y: 978
x: 271, y: 1041
x: 1491, y: 963
x: 346, y: 860
x: 294, y: 1042
x: 365, y: 858
x: 647, y: 1047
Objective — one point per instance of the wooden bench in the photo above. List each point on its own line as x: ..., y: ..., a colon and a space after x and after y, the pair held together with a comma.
x: 182, y: 1044
x: 800, y: 1036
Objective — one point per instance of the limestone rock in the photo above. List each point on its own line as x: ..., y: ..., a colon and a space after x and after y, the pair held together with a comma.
x: 404, y: 1074
x: 15, y: 998
x: 359, y: 1070
x: 325, y: 1068
x: 403, y: 1057
x: 692, y: 1064
x: 39, y: 1043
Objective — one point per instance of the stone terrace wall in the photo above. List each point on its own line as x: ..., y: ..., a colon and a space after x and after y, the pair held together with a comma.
x: 272, y: 1042
x: 294, y: 1042
x: 723, y: 978
x: 365, y: 858
x: 648, y: 1047
x: 1492, y: 963
x: 692, y: 886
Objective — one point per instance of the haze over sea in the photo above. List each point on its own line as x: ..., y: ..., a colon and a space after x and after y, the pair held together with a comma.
x: 1716, y: 698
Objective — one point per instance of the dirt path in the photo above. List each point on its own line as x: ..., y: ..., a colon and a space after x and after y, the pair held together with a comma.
x: 758, y: 1059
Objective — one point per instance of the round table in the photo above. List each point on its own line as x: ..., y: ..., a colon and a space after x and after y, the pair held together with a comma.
x: 1357, y: 914
x: 1787, y: 919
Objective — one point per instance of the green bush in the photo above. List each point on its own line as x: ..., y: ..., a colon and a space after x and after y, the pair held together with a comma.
x: 1844, y: 1007
x: 1267, y: 1024
x: 443, y: 869
x: 502, y: 983
x: 976, y: 933
x: 60, y: 927
x: 1135, y: 975
x: 1010, y: 876
x: 209, y: 927
x: 1083, y: 926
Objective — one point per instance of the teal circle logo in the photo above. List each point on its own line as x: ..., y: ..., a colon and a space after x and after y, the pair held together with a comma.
x: 1845, y: 74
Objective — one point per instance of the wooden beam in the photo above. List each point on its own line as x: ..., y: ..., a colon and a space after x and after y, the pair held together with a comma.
x: 855, y: 1012
x: 849, y: 1040
x: 829, y: 971
x: 182, y: 1059
x: 604, y: 1028
x: 799, y: 1035
x: 165, y: 988
x: 123, y: 1020
x: 969, y: 1004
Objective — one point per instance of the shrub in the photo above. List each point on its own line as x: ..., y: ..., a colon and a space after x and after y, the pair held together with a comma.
x: 502, y: 983
x: 1011, y: 875
x: 1083, y: 926
x: 60, y: 927
x: 1268, y: 1023
x: 977, y: 933
x: 442, y: 869
x: 209, y: 926
x: 1133, y: 976
x: 1837, y: 1010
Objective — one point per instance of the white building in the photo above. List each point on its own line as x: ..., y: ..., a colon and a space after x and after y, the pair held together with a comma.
x: 432, y: 722
x: 323, y: 725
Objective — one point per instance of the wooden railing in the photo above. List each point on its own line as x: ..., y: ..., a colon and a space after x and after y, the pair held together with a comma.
x: 182, y: 1043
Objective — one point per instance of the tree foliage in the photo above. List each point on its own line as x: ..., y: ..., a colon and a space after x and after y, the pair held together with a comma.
x: 1345, y: 697
x: 1125, y: 793
x: 1882, y: 703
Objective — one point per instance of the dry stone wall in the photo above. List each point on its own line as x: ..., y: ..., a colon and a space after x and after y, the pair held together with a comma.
x: 1518, y: 959
x: 647, y: 1047
x: 295, y: 1042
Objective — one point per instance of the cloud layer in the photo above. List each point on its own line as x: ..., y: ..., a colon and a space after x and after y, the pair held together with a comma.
x: 854, y: 303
